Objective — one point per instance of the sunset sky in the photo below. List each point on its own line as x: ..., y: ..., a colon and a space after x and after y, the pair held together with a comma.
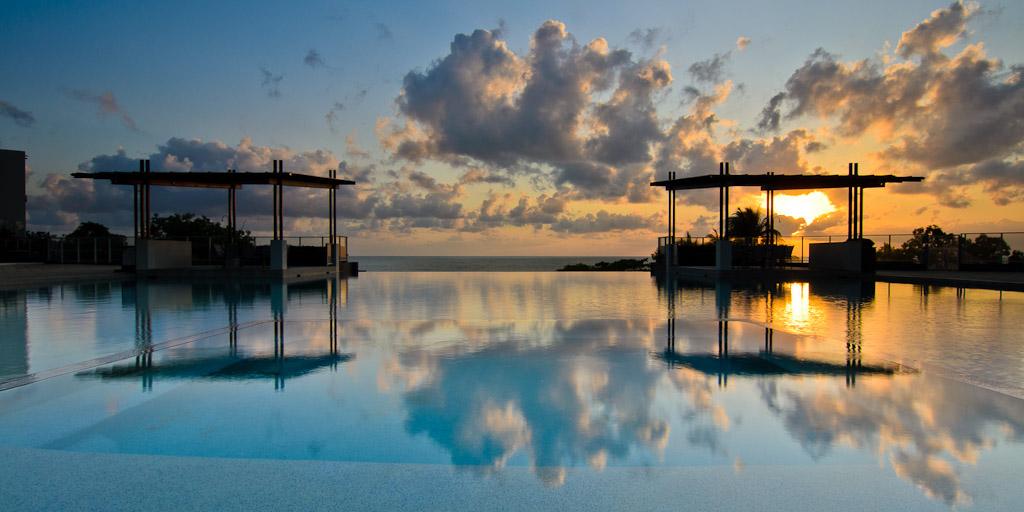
x: 487, y: 128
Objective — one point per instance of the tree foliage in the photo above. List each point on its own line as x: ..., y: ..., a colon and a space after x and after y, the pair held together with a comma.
x: 89, y: 229
x: 748, y: 225
x: 180, y: 226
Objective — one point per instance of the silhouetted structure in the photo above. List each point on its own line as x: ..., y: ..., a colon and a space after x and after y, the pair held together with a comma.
x: 835, y: 257
x: 12, y: 194
x: 151, y: 255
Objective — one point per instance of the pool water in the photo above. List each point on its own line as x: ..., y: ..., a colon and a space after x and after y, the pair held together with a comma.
x: 563, y: 376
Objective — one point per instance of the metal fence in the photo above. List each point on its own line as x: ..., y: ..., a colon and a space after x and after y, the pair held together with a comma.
x: 947, y: 255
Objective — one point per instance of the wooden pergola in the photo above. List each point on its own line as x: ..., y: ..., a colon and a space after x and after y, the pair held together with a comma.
x: 143, y: 179
x: 770, y: 182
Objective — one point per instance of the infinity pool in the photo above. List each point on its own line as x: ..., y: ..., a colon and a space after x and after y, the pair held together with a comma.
x: 511, y: 390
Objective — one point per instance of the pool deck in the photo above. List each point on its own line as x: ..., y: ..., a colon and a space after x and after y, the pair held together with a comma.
x: 1007, y: 281
x: 15, y: 276
x: 34, y: 479
x: 26, y: 275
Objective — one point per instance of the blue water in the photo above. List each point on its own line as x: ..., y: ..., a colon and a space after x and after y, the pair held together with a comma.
x: 477, y: 263
x: 564, y: 375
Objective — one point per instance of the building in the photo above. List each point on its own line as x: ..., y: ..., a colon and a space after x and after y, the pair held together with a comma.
x: 12, y: 191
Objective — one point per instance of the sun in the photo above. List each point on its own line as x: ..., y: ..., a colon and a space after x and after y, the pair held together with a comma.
x: 807, y: 206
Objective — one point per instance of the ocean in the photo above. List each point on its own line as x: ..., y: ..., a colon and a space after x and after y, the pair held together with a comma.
x: 475, y: 263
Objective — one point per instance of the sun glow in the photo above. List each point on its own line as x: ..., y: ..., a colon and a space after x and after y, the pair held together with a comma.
x: 807, y: 206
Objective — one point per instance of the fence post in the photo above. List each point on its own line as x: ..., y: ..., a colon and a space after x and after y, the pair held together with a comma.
x: 110, y: 251
x: 78, y: 250
x: 95, y: 254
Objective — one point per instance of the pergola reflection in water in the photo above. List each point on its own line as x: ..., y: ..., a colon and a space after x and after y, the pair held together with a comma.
x: 236, y: 364
x: 766, y: 361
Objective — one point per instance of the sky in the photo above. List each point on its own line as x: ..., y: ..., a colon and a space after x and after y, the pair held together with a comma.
x: 533, y: 128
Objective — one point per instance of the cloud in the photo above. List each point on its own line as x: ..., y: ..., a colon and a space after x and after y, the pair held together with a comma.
x: 107, y: 105
x: 383, y: 32
x: 353, y: 149
x: 781, y: 154
x: 478, y: 175
x: 943, y: 28
x: 771, y: 115
x: 646, y: 38
x: 20, y: 117
x: 952, y: 116
x: 604, y: 221
x: 484, y: 104
x: 332, y: 115
x: 710, y: 71
x: 742, y: 42
x: 313, y: 59
x: 271, y: 83
x: 391, y: 206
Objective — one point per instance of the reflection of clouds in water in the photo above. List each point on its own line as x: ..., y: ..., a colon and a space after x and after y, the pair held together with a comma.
x: 925, y: 430
x: 706, y: 419
x: 558, y: 400
x: 486, y: 406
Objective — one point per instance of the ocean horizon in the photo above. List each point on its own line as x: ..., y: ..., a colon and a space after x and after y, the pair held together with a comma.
x: 475, y: 263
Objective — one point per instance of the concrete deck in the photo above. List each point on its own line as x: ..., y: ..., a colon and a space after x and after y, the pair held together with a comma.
x: 33, y: 479
x: 27, y: 275
x: 1008, y: 281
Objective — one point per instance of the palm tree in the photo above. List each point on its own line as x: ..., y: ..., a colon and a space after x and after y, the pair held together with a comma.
x: 748, y: 224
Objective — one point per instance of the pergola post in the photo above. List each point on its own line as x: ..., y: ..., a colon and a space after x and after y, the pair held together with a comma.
x: 278, y: 246
x: 147, y: 203
x: 332, y: 221
x: 136, y: 203
x: 723, y: 249
x: 231, y: 251
x: 770, y: 224
x: 860, y: 205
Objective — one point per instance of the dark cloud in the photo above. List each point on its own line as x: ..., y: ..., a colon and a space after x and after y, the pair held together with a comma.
x: 271, y: 83
x: 313, y: 59
x: 383, y: 32
x: 550, y: 212
x: 332, y: 115
x: 1003, y: 180
x: 815, y: 146
x: 646, y: 38
x: 604, y: 221
x: 107, y: 105
x: 711, y: 70
x: 771, y: 115
x: 478, y: 175
x: 777, y: 154
x: 19, y: 116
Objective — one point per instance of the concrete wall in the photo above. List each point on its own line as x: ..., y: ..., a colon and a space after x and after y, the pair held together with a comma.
x: 851, y: 256
x: 161, y: 254
x: 723, y: 255
x: 12, y: 193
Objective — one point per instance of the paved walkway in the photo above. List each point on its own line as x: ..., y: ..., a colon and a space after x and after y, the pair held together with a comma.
x: 24, y: 275
x: 1012, y: 281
